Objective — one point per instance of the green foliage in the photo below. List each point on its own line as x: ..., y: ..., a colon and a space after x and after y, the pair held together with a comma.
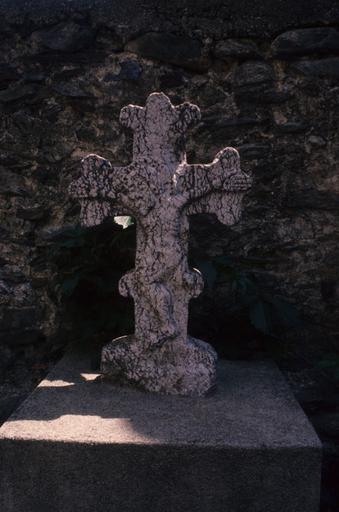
x: 268, y: 313
x: 89, y: 263
x: 330, y: 363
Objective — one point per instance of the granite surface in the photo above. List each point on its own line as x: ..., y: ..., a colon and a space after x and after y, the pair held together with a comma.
x: 160, y: 189
x: 80, y: 443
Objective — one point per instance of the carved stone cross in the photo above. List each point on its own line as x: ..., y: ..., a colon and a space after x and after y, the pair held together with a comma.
x: 160, y: 189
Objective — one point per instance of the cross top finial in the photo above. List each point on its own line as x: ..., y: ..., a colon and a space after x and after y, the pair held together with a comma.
x: 159, y: 127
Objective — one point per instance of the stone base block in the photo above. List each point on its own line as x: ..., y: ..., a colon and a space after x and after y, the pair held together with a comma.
x: 80, y: 444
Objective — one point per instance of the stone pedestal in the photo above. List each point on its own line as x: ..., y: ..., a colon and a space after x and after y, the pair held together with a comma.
x: 77, y: 444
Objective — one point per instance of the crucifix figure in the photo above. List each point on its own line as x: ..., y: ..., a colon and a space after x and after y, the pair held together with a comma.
x: 160, y: 190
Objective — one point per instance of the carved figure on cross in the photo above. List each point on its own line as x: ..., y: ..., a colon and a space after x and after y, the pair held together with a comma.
x: 160, y: 190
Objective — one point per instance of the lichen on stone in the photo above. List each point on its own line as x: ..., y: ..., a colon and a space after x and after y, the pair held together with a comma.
x: 160, y: 189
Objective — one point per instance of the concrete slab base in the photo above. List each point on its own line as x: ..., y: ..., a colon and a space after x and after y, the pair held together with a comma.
x: 81, y: 445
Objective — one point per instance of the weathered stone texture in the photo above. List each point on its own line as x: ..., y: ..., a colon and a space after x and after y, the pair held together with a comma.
x: 68, y: 68
x: 160, y: 189
x: 83, y: 444
x: 306, y: 41
x: 237, y: 49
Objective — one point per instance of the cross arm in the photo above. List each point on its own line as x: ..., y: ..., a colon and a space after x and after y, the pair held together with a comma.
x: 102, y: 190
x: 217, y: 187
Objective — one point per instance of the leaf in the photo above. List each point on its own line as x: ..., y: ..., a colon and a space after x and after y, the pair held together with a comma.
x: 69, y: 285
x: 260, y: 316
x: 330, y: 361
x: 72, y: 242
x: 225, y: 261
x: 245, y: 285
x: 102, y: 284
x: 124, y: 220
x: 208, y: 271
x: 286, y: 313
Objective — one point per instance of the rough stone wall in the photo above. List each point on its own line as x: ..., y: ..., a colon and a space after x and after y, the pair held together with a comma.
x: 267, y: 83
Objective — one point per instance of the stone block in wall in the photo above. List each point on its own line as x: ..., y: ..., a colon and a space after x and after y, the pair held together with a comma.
x: 18, y: 91
x: 67, y: 37
x: 253, y: 73
x: 181, y: 51
x: 327, y: 68
x: 236, y: 49
x: 7, y: 73
x: 254, y: 83
x: 306, y: 41
x: 13, y: 184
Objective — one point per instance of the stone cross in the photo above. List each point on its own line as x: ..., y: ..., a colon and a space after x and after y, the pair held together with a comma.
x: 160, y: 189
